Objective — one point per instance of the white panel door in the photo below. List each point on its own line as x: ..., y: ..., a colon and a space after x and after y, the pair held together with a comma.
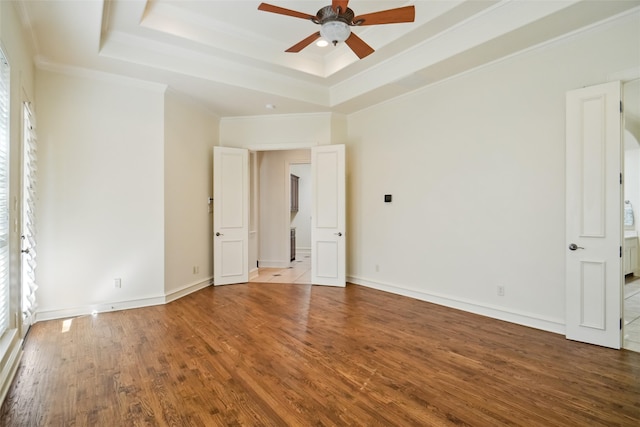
x: 328, y: 246
x: 594, y: 215
x: 28, y: 220
x: 230, y: 215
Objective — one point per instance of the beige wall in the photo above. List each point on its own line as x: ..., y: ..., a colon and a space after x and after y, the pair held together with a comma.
x: 191, y: 131
x: 476, y: 166
x: 266, y: 132
x: 101, y: 192
x: 125, y: 177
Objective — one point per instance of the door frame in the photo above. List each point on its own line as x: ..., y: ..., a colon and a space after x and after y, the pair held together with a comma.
x: 630, y: 77
x: 287, y: 147
x: 286, y: 219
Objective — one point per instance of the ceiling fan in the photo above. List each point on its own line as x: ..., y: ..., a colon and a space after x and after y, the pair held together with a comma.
x: 335, y: 20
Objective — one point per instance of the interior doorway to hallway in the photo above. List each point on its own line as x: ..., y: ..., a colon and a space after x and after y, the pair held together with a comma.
x: 282, y: 212
x: 256, y: 213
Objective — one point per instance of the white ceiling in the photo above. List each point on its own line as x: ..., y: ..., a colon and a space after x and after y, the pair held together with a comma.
x: 230, y: 55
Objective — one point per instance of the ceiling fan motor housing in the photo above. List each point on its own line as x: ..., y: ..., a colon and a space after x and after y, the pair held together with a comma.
x: 327, y: 14
x: 334, y: 25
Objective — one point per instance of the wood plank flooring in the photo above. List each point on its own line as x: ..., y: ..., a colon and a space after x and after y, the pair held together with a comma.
x: 279, y: 354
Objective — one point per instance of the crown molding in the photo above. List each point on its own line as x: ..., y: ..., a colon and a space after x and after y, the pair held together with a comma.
x: 87, y: 73
x: 322, y: 115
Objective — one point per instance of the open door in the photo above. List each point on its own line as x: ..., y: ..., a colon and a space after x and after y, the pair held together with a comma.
x: 230, y: 215
x: 593, y: 215
x: 328, y: 247
x: 28, y: 220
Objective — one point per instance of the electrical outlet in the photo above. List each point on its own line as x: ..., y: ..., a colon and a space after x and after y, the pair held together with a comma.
x: 500, y: 290
x: 117, y: 283
x: 196, y: 269
x: 377, y: 268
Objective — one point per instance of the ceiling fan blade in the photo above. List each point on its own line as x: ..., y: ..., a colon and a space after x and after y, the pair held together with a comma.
x: 304, y: 43
x: 391, y: 16
x: 342, y: 4
x: 282, y: 11
x: 358, y: 46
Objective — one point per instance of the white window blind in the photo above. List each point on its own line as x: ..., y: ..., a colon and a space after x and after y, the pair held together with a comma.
x: 4, y: 194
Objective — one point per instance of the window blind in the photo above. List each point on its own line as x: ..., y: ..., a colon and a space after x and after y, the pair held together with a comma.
x: 5, y: 304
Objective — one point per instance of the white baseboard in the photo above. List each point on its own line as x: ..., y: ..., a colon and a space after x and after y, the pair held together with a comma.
x: 526, y: 319
x: 274, y: 264
x: 303, y: 252
x: 188, y: 289
x: 42, y: 315
x: 520, y: 318
x: 98, y: 308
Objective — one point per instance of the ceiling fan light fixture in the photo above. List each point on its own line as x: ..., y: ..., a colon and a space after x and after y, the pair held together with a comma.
x: 335, y: 31
x: 322, y: 43
x: 335, y: 21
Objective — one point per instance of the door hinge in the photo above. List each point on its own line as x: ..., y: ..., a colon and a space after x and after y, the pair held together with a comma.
x: 621, y: 107
x: 620, y: 251
x: 620, y: 323
x: 621, y: 178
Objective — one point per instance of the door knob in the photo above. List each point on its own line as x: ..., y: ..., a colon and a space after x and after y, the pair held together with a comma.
x: 573, y: 247
x: 25, y: 251
x: 338, y: 234
x: 219, y: 234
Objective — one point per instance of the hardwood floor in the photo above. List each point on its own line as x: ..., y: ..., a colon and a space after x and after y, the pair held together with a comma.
x: 282, y: 354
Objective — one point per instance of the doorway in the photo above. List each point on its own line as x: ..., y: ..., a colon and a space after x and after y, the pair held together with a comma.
x: 600, y: 300
x: 631, y: 261
x: 237, y: 190
x: 283, y: 216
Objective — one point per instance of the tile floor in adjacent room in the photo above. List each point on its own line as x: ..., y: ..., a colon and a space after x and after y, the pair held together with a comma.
x: 632, y: 313
x: 298, y: 272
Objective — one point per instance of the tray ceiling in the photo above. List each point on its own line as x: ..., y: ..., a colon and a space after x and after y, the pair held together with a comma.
x: 230, y: 56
